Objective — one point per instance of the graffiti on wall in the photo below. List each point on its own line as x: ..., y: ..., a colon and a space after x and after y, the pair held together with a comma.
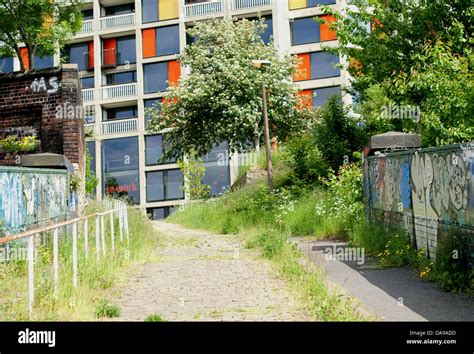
x: 429, y: 187
x: 31, y: 196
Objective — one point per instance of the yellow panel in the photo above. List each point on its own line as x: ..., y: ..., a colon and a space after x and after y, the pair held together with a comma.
x: 168, y: 9
x: 296, y: 4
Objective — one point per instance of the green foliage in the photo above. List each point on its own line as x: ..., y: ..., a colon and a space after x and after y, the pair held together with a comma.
x: 416, y: 53
x: 42, y: 25
x: 221, y: 98
x: 194, y: 171
x: 74, y: 182
x: 91, y: 180
x: 336, y: 134
x: 154, y: 318
x: 106, y: 309
x: 26, y: 144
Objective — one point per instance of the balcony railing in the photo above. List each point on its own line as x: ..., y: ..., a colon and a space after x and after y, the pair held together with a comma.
x: 88, y: 95
x: 247, y: 4
x: 117, y: 21
x: 87, y: 26
x: 116, y: 91
x: 120, y: 126
x: 204, y: 8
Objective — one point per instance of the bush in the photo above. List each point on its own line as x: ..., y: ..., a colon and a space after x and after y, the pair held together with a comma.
x: 154, y: 318
x: 106, y: 309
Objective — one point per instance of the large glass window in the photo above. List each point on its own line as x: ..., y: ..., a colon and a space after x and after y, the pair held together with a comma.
x: 121, y: 78
x: 121, y: 113
x: 164, y: 185
x: 87, y: 14
x: 304, y: 30
x: 44, y: 62
x: 167, y: 40
x: 119, y: 9
x: 160, y: 213
x: 151, y: 103
x: 91, y: 154
x: 323, y: 65
x: 126, y: 50
x: 6, y: 64
x: 217, y: 174
x: 156, y: 77
x: 322, y: 95
x: 87, y: 82
x: 268, y: 31
x: 79, y: 54
x: 154, y: 149
x: 120, y: 168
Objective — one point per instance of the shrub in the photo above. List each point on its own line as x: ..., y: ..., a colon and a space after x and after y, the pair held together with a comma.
x: 154, y: 318
x: 106, y: 309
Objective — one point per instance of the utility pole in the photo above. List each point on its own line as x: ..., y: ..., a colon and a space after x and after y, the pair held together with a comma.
x: 267, y: 138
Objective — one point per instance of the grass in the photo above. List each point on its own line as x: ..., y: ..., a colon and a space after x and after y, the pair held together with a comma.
x: 106, y: 309
x: 96, y: 278
x: 154, y: 318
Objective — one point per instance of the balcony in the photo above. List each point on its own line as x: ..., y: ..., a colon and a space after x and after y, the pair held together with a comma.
x: 118, y: 21
x: 205, y: 8
x: 87, y: 26
x: 88, y: 95
x: 117, y: 91
x: 120, y: 126
x: 247, y: 4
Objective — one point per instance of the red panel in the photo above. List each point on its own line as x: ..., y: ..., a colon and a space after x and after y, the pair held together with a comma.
x: 149, y: 42
x: 326, y: 33
x: 303, y: 72
x: 91, y: 54
x: 306, y: 99
x: 174, y: 73
x: 24, y: 57
x: 110, y: 51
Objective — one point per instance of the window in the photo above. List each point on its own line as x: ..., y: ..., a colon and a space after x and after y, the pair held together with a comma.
x: 299, y: 4
x: 154, y: 148
x: 119, y: 9
x: 152, y: 103
x: 160, y: 41
x: 217, y: 174
x: 160, y: 213
x: 322, y: 95
x: 159, y: 10
x: 306, y: 30
x: 44, y: 62
x: 121, y: 113
x: 268, y: 31
x: 164, y: 185
x: 317, y: 65
x: 121, y: 78
x: 81, y: 54
x: 89, y: 114
x: 91, y: 154
x: 6, y: 64
x: 158, y: 76
x: 120, y: 168
x: 87, y: 82
x: 126, y: 50
x: 88, y: 14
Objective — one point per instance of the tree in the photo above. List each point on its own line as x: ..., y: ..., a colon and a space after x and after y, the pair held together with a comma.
x: 194, y: 172
x: 221, y: 99
x: 412, y: 52
x: 42, y: 26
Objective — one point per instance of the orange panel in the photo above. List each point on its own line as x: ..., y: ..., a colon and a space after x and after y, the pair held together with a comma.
x: 326, y: 33
x: 91, y: 54
x: 303, y: 72
x: 24, y: 57
x: 174, y: 72
x: 149, y: 42
x: 306, y: 99
x: 110, y: 51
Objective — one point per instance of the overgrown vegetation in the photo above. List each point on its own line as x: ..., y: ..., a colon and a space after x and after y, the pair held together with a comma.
x: 96, y: 278
x: 154, y: 318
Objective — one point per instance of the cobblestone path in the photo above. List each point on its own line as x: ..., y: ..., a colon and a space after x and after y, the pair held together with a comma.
x: 199, y: 276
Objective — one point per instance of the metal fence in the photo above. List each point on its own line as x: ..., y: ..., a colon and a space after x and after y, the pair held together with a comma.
x: 117, y: 211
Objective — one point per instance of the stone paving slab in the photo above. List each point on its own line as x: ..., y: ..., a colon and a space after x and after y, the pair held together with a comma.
x: 200, y: 276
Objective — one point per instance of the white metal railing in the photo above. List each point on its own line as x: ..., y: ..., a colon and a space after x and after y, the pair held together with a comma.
x: 118, y: 212
x: 87, y: 26
x: 120, y: 126
x: 117, y: 21
x: 246, y: 4
x: 116, y: 91
x: 205, y: 8
x: 88, y: 95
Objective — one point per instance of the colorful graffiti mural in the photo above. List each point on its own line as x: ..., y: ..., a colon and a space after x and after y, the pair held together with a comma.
x: 31, y: 196
x: 429, y: 188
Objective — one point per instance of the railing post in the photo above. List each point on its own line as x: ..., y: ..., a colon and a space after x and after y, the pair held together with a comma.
x: 102, y: 226
x: 86, y: 237
x: 120, y: 215
x: 112, y: 231
x: 126, y: 225
x: 74, y: 255
x: 31, y: 275
x: 55, y: 263
x: 97, y: 239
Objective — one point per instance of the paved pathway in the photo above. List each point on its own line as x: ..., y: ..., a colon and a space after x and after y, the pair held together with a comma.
x: 392, y: 294
x: 200, y: 276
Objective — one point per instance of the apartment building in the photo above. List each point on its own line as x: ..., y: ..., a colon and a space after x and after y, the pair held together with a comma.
x: 127, y: 56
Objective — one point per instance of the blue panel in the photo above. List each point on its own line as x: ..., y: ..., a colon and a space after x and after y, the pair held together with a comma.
x: 156, y: 77
x: 167, y: 40
x: 322, y: 95
x: 6, y: 64
x: 78, y: 54
x: 174, y: 182
x: 87, y: 82
x: 268, y: 33
x: 44, y: 62
x: 153, y: 149
x: 149, y: 10
x: 313, y: 3
x: 305, y: 30
x: 121, y: 78
x: 155, y: 189
x: 151, y: 104
x: 323, y: 65
x: 91, y: 153
x: 126, y: 50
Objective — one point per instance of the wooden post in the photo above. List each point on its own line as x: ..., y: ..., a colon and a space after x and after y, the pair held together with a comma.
x: 74, y: 255
x: 55, y: 263
x: 31, y: 275
x: 97, y: 238
x: 112, y: 231
x: 86, y: 237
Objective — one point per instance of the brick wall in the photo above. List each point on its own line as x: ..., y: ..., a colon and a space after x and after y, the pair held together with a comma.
x: 34, y: 104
